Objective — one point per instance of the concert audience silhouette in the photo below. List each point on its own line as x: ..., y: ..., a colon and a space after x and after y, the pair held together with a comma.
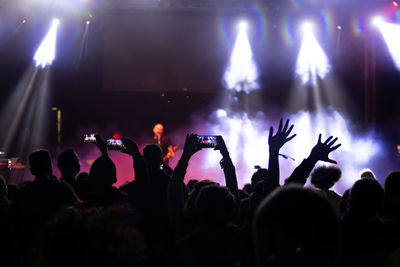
x: 156, y: 219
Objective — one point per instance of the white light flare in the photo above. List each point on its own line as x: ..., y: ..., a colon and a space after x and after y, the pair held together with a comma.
x: 221, y: 113
x: 241, y: 73
x: 46, y: 52
x: 355, y: 153
x: 377, y: 21
x: 312, y: 61
x: 307, y: 27
x: 247, y: 141
x: 391, y: 34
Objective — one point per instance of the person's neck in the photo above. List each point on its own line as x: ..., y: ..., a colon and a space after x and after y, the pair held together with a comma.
x: 42, y: 177
x: 67, y: 177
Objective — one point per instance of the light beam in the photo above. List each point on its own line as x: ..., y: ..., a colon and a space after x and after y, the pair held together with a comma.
x: 83, y: 46
x: 377, y: 21
x: 312, y: 61
x: 391, y: 35
x: 241, y: 73
x: 46, y: 52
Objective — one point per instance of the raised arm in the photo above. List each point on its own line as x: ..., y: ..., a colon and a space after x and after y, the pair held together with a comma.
x: 132, y: 149
x: 101, y: 144
x: 228, y: 167
x: 275, y: 143
x: 175, y: 195
x: 319, y: 152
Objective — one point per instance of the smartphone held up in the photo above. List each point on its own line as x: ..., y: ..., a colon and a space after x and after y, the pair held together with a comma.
x: 112, y: 144
x: 207, y: 141
x: 89, y: 138
x: 115, y: 144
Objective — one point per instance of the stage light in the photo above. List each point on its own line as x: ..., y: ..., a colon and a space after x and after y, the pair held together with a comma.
x: 242, y: 25
x: 117, y: 136
x: 339, y: 27
x: 46, y: 52
x: 391, y: 35
x: 83, y: 46
x: 221, y: 113
x: 312, y: 61
x: 307, y: 27
x: 24, y: 21
x: 377, y: 21
x: 395, y: 4
x: 241, y: 73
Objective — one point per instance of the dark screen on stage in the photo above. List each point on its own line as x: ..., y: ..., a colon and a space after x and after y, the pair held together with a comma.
x: 164, y: 51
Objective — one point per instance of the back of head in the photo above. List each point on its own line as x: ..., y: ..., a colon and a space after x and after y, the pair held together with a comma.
x: 214, y: 205
x: 192, y: 183
x: 366, y: 197
x: 325, y: 177
x: 248, y: 189
x: 392, y: 184
x: 153, y: 155
x: 367, y: 174
x: 103, y: 172
x: 259, y: 175
x: 82, y: 185
x: 83, y: 177
x: 190, y: 203
x: 68, y: 162
x: 40, y: 163
x: 296, y: 227
x: 91, y: 237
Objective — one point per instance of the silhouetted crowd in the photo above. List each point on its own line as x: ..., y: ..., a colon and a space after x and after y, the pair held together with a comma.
x: 81, y: 219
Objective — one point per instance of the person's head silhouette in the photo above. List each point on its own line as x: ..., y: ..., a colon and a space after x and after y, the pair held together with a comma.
x: 296, y: 227
x: 103, y: 172
x: 366, y: 197
x: 40, y: 164
x: 153, y: 155
x: 68, y: 163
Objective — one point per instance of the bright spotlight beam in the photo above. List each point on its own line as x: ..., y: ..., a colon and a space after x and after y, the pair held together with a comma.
x: 377, y: 21
x: 241, y: 73
x: 312, y: 61
x: 46, y: 52
x: 391, y: 35
x: 242, y: 25
x: 307, y: 27
x: 83, y: 46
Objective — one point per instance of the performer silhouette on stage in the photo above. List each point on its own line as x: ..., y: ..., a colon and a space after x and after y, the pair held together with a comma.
x: 164, y: 142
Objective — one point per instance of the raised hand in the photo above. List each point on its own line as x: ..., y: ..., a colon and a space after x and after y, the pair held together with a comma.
x: 277, y: 141
x: 321, y: 150
x: 101, y: 144
x: 191, y: 146
x: 131, y: 148
x: 221, y: 146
